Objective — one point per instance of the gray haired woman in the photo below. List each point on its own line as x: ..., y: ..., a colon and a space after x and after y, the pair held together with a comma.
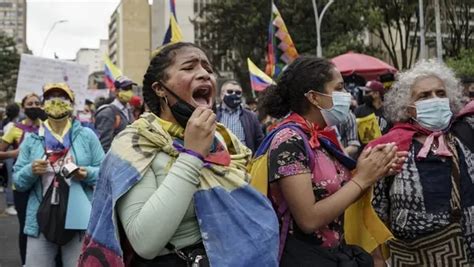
x: 429, y: 204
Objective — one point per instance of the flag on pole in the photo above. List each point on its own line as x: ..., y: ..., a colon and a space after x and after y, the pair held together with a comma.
x: 174, y: 33
x: 258, y: 79
x: 280, y: 48
x: 111, y: 72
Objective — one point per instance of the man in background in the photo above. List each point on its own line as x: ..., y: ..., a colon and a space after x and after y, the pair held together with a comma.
x: 242, y: 122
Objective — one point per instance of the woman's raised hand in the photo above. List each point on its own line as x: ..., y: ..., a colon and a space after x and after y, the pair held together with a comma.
x: 375, y: 163
x: 199, y: 132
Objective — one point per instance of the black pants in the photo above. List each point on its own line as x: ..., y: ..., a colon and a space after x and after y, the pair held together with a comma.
x: 172, y: 260
x: 21, y: 201
x: 298, y: 253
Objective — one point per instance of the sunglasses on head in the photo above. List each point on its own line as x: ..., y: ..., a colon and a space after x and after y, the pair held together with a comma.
x: 230, y: 92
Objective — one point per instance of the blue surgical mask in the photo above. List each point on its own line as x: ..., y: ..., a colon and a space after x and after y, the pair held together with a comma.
x: 433, y: 114
x: 341, y: 103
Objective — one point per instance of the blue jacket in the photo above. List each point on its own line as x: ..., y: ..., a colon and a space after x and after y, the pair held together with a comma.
x: 86, y: 151
x: 252, y: 128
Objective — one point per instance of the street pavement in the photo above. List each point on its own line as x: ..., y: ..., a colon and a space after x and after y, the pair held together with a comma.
x: 9, y: 254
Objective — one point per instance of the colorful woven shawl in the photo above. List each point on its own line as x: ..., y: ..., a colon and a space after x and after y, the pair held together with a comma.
x: 237, y: 223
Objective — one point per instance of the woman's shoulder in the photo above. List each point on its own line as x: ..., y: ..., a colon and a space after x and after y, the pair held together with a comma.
x: 286, y: 136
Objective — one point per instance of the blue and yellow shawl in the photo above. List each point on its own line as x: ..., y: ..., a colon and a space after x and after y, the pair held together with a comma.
x: 238, y: 224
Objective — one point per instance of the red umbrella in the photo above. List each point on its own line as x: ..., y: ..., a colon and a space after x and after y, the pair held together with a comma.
x: 366, y: 66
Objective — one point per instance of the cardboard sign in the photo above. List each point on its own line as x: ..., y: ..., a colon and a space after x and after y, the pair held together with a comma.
x: 35, y: 71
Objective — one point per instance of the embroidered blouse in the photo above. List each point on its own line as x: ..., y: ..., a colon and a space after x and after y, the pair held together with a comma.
x: 416, y: 202
x: 288, y: 157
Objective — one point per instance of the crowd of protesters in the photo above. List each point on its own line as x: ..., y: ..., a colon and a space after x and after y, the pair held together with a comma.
x: 164, y: 179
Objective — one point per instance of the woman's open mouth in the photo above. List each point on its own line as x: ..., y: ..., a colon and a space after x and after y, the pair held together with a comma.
x: 202, y: 96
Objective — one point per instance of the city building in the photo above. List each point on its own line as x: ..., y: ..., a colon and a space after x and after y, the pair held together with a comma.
x: 129, y: 38
x: 13, y: 21
x: 93, y: 57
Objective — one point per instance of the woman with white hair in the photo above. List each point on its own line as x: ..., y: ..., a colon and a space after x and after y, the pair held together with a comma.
x: 429, y: 204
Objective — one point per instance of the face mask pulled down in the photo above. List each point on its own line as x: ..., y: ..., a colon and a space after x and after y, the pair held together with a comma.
x: 341, y: 103
x: 181, y: 110
x: 58, y: 108
x: 433, y: 114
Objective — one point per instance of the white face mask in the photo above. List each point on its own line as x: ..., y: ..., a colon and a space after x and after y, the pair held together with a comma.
x: 433, y: 114
x: 341, y: 103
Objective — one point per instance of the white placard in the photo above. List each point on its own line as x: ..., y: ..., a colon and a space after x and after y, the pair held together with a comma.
x: 36, y: 71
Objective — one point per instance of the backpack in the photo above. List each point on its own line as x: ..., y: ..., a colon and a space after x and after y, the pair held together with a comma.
x: 258, y: 170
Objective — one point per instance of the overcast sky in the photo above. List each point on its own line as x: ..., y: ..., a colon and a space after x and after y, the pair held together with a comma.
x: 87, y: 23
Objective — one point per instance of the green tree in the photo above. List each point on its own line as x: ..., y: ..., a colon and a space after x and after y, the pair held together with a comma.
x: 235, y: 30
x: 463, y: 65
x: 9, y: 62
x: 239, y: 29
x: 391, y: 21
x: 457, y: 17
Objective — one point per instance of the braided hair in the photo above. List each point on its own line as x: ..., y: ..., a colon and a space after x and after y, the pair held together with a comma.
x: 157, y: 72
x: 302, y: 75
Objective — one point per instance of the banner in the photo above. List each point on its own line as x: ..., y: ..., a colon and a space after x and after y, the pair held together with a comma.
x: 35, y: 71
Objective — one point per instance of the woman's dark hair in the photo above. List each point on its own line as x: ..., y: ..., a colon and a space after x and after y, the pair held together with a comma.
x: 157, y: 72
x: 11, y: 111
x: 28, y: 96
x: 304, y: 74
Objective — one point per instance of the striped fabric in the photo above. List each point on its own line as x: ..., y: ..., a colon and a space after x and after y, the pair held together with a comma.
x: 444, y: 248
x: 238, y: 224
x: 231, y: 120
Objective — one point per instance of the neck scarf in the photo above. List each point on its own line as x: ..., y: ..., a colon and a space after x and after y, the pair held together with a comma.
x: 402, y: 135
x: 326, y: 138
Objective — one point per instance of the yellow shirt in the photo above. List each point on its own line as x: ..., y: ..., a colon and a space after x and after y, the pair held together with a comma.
x: 13, y: 136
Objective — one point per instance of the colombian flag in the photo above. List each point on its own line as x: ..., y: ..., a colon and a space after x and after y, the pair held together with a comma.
x: 111, y: 72
x: 173, y: 34
x: 238, y: 224
x: 258, y: 79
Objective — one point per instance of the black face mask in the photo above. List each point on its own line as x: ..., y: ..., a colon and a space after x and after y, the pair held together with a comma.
x: 35, y: 113
x: 232, y: 101
x: 181, y: 110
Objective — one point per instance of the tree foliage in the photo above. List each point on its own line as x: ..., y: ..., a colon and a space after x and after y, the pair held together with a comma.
x: 9, y: 63
x: 240, y: 29
x: 463, y: 65
x: 392, y: 21
x: 457, y: 16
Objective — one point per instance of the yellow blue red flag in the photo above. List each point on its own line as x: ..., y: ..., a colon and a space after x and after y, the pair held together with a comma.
x: 111, y: 72
x: 174, y: 33
x: 258, y: 79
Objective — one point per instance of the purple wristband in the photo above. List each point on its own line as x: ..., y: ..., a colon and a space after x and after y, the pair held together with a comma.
x: 182, y: 149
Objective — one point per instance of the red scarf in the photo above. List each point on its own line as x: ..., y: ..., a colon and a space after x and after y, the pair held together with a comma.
x: 402, y: 134
x: 312, y: 129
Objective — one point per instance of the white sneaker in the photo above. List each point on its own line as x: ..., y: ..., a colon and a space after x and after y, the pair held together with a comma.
x: 2, y: 189
x: 11, y: 211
